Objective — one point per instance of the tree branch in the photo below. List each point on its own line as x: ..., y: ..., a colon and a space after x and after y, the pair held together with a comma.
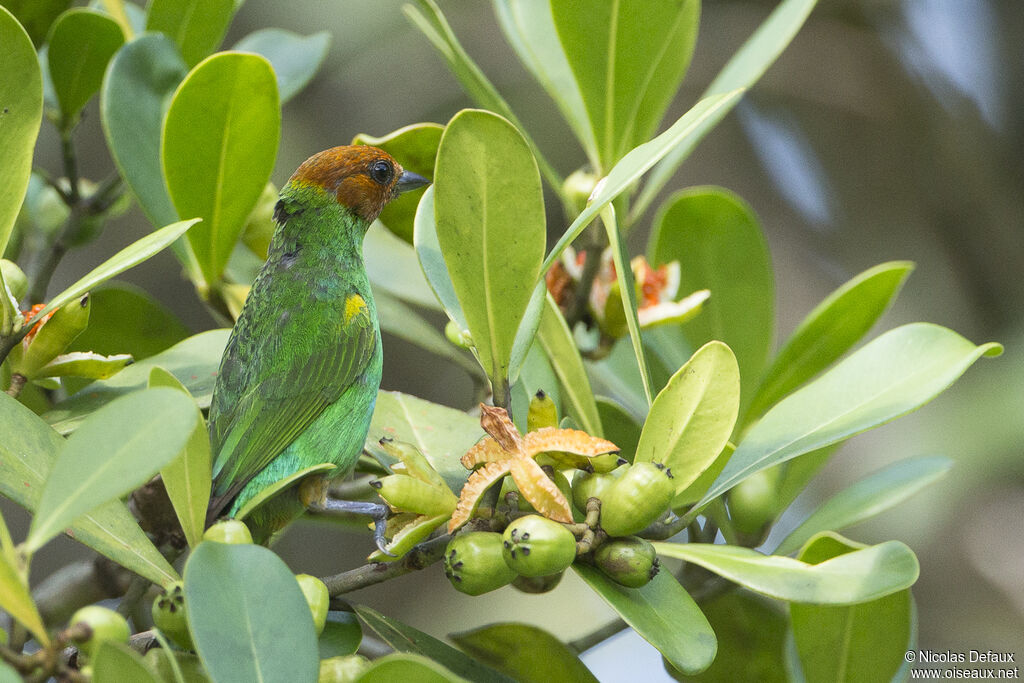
x: 420, y: 557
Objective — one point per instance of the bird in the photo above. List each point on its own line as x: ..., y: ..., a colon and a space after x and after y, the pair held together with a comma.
x: 299, y: 376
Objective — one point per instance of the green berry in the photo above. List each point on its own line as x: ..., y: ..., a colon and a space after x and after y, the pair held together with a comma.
x: 474, y: 564
x: 342, y: 669
x: 629, y: 561
x: 169, y: 616
x: 752, y: 502
x: 641, y: 495
x: 318, y: 598
x: 103, y: 625
x: 587, y: 485
x: 537, y: 584
x: 230, y: 531
x: 537, y: 546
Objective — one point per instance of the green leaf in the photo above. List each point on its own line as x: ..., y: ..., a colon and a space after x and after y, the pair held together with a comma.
x: 392, y: 267
x: 21, y: 104
x: 530, y: 30
x: 218, y: 147
x: 743, y: 69
x: 141, y: 79
x: 663, y: 613
x: 159, y: 660
x: 187, y: 478
x: 639, y: 160
x: 132, y: 255
x: 118, y: 448
x: 556, y: 340
x: 247, y: 615
x: 36, y: 16
x: 442, y: 434
x: 406, y: 639
x: 403, y: 322
x: 8, y: 674
x: 84, y: 364
x: 863, y: 642
x: 830, y: 330
x: 126, y: 319
x: 16, y: 600
x: 514, y: 649
x: 628, y: 64
x: 197, y: 26
x: 117, y: 662
x: 428, y: 251
x: 714, y: 234
x: 619, y: 427
x: 891, y: 376
x: 866, y: 574
x: 408, y: 667
x: 415, y: 148
x: 341, y: 635
x: 295, y: 58
x: 194, y: 362
x: 691, y: 419
x: 751, y: 632
x: 489, y: 212
x: 81, y: 43
x: 26, y: 458
x: 868, y: 497
x: 627, y: 286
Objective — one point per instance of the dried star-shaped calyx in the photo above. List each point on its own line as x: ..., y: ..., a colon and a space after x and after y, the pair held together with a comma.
x: 505, y: 451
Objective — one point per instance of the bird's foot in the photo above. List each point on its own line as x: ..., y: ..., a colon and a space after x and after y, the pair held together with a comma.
x: 378, y: 512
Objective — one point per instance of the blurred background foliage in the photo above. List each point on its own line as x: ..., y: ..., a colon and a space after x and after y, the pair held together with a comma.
x: 890, y: 129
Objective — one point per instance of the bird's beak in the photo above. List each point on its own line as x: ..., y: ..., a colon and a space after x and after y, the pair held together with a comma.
x: 409, y: 181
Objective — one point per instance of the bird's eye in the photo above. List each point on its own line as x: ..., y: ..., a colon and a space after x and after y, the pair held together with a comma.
x: 382, y: 172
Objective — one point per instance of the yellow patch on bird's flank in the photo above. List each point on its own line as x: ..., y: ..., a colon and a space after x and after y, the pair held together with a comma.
x: 354, y: 305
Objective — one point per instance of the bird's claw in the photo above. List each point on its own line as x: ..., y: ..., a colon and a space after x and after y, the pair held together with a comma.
x: 375, y: 511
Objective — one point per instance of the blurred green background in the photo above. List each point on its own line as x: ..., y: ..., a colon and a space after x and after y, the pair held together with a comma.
x: 890, y: 129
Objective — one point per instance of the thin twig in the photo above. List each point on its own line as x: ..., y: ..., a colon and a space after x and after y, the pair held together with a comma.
x: 420, y: 557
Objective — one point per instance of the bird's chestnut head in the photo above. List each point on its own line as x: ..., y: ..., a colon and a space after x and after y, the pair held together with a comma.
x: 361, y: 177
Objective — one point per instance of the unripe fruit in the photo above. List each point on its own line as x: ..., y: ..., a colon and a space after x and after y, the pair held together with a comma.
x: 169, y: 616
x: 752, y: 502
x: 230, y: 531
x: 15, y: 279
x: 587, y: 485
x: 342, y: 669
x: 542, y: 412
x: 537, y: 546
x: 636, y: 499
x: 629, y: 561
x: 104, y: 625
x: 537, y: 584
x: 404, y: 492
x: 318, y: 598
x: 56, y: 333
x: 474, y: 564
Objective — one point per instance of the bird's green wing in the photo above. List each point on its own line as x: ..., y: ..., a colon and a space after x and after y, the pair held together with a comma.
x: 275, y: 384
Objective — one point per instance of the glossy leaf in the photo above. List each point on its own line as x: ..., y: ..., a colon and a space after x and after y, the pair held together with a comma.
x: 21, y: 101
x: 118, y: 448
x: 868, y: 497
x: 619, y: 427
x: 408, y: 667
x: 830, y: 330
x: 247, y: 615
x: 428, y: 251
x: 392, y: 267
x: 117, y: 662
x: 194, y: 362
x: 714, y: 235
x: 556, y: 340
x: 489, y: 213
x: 415, y: 148
x: 639, y: 160
x: 224, y: 117
x: 866, y: 574
x: 440, y: 433
x: 742, y: 70
x: 295, y: 58
x: 864, y: 642
x: 530, y: 29
x: 663, y: 613
x: 36, y: 15
x: 142, y: 77
x: 407, y: 639
x: 527, y: 332
x: 26, y: 458
x: 514, y: 648
x: 403, y: 322
x: 187, y: 478
x: 341, y: 635
x: 628, y: 64
x: 16, y: 600
x: 197, y: 26
x: 691, y: 419
x: 81, y: 43
x: 892, y: 375
x: 126, y: 319
x: 130, y: 256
